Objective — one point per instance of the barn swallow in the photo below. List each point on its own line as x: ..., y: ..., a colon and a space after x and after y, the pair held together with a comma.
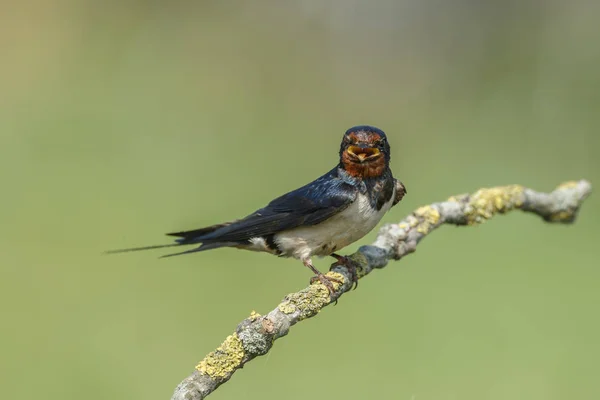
x: 319, y: 218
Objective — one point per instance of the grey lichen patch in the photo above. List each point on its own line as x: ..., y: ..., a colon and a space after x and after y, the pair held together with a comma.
x: 411, y: 221
x: 487, y: 202
x: 310, y: 301
x: 222, y: 362
x: 387, y: 241
x: 256, y: 340
x: 429, y: 217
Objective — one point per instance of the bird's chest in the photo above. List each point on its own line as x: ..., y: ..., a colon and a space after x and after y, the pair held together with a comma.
x: 337, y: 232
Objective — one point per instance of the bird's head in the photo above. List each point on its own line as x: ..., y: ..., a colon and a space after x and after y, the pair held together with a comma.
x: 365, y: 152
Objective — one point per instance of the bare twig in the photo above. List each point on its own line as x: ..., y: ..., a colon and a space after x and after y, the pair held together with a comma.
x: 254, y: 336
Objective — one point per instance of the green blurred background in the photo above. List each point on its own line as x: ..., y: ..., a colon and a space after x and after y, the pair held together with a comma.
x: 120, y: 121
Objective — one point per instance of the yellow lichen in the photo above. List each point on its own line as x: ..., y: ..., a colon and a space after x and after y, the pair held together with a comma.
x: 287, y: 307
x: 561, y: 216
x: 429, y: 218
x: 487, y: 202
x: 339, y: 277
x: 568, y: 185
x: 458, y: 198
x: 254, y: 315
x: 307, y: 302
x: 224, y: 360
x: 310, y: 301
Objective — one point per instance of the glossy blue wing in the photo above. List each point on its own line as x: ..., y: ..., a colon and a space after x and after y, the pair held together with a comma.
x: 308, y: 205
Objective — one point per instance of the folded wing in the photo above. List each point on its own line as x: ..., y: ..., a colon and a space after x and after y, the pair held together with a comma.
x: 309, y: 205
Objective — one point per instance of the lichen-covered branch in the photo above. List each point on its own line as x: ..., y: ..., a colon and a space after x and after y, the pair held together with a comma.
x: 255, y: 335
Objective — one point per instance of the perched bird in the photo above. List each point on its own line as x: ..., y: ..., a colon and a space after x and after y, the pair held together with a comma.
x: 318, y: 219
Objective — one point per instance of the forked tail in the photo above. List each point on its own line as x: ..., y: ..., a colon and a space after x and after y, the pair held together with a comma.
x: 158, y: 246
x: 184, y: 238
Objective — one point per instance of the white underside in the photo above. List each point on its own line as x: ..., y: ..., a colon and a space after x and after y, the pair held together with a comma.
x: 333, y: 234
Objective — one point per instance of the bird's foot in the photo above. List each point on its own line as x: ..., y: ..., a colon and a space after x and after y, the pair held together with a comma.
x: 350, y: 264
x: 327, y: 281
